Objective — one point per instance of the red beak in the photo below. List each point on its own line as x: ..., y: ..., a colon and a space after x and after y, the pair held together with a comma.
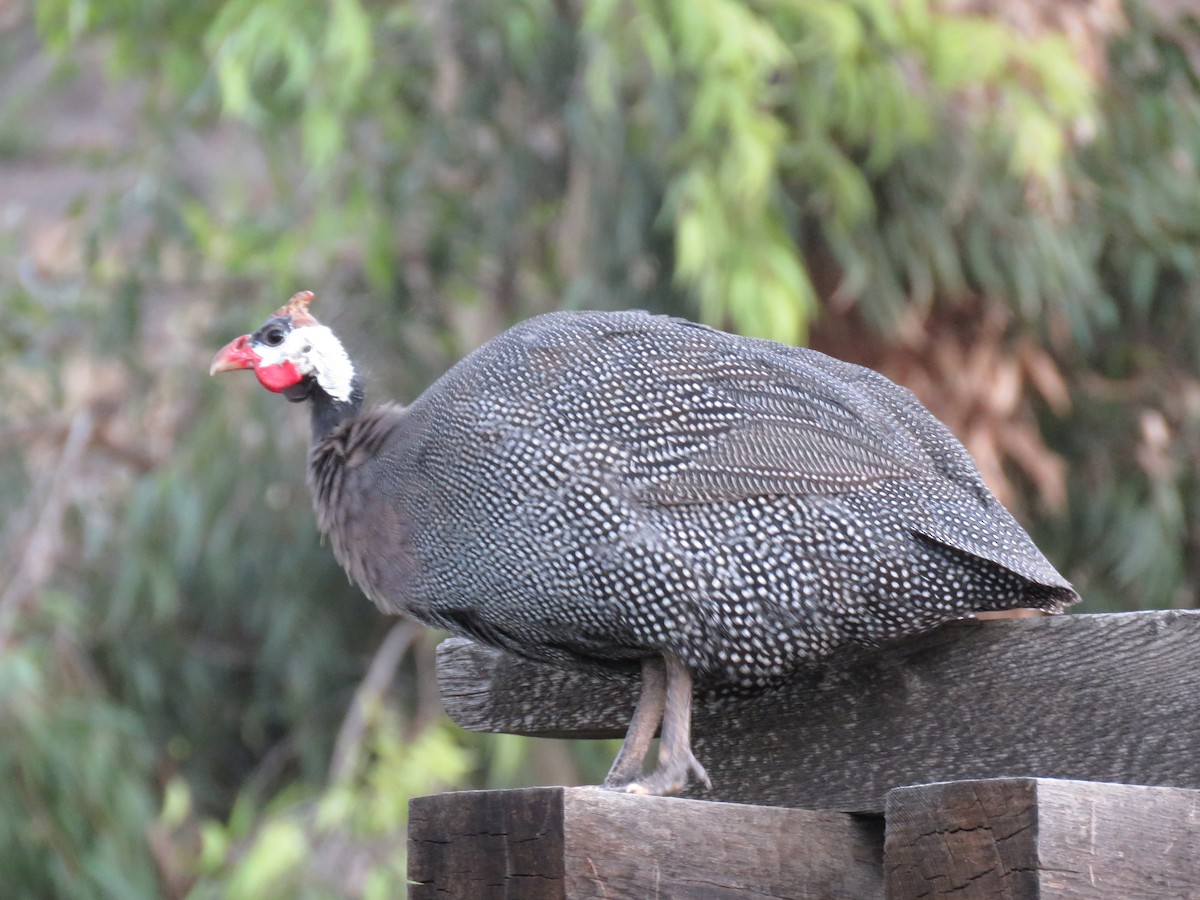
x: 237, y: 354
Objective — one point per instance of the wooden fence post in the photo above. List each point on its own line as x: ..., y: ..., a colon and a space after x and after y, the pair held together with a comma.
x: 554, y: 843
x: 1042, y: 839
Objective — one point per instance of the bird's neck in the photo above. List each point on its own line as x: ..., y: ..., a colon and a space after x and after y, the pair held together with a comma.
x: 329, y: 412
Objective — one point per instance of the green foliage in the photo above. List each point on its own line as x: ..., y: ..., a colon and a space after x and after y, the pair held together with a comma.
x: 72, y: 823
x: 730, y: 126
x: 353, y: 831
x: 1134, y: 520
x: 190, y: 620
x: 718, y: 60
x: 772, y: 115
x: 293, y: 59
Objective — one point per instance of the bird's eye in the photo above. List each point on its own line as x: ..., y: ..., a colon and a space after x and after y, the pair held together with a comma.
x: 273, y: 337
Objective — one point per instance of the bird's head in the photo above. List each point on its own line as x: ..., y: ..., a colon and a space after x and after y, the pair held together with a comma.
x: 291, y: 354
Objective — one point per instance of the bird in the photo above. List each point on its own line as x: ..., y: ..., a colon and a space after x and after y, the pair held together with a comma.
x: 629, y: 493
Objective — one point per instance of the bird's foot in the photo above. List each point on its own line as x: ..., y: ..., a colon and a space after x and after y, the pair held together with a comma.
x: 666, y: 695
x: 671, y: 777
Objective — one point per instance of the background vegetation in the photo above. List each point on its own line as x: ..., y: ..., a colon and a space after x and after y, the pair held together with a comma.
x: 995, y: 204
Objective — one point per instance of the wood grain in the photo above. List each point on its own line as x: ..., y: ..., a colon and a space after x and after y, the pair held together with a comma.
x: 487, y: 844
x: 543, y: 843
x: 1091, y: 697
x: 1041, y: 838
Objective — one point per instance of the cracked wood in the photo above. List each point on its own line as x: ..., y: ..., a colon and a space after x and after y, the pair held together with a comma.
x: 543, y: 843
x: 1021, y: 838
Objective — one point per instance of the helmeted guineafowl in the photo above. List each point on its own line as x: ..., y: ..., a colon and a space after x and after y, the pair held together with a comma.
x: 623, y: 491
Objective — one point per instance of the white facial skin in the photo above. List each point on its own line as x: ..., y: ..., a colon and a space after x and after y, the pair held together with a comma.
x: 313, y: 350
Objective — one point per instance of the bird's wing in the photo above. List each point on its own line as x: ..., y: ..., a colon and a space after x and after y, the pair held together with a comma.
x: 701, y: 418
x: 731, y: 419
x: 693, y: 415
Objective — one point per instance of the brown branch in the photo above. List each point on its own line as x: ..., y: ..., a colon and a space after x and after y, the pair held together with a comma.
x: 379, y: 676
x: 50, y: 500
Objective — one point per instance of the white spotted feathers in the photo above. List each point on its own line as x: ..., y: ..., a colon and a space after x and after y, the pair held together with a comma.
x: 591, y: 489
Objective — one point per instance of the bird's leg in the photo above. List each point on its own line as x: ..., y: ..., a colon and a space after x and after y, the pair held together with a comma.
x: 676, y: 764
x: 627, y: 767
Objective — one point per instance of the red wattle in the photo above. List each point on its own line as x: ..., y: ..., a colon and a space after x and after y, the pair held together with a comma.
x: 279, y: 376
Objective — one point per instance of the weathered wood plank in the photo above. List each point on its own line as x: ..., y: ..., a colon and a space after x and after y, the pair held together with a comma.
x: 1020, y: 838
x: 486, y: 844
x: 1092, y: 697
x: 543, y: 843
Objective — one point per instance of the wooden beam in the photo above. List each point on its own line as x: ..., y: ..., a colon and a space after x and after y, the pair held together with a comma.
x: 552, y: 843
x: 1093, y: 697
x: 1040, y: 838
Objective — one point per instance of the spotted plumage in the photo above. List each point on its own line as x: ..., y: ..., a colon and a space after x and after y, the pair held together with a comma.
x: 615, y: 490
